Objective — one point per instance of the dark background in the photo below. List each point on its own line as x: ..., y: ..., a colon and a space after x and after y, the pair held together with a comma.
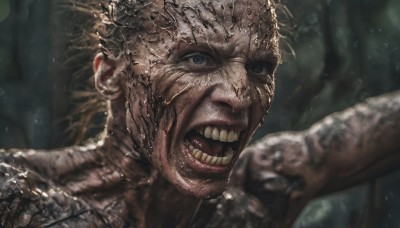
x: 346, y: 51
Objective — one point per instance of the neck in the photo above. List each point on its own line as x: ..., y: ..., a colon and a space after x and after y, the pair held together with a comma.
x: 150, y: 200
x: 158, y: 204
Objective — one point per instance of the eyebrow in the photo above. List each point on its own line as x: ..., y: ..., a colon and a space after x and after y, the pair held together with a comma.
x: 223, y: 49
x: 214, y: 47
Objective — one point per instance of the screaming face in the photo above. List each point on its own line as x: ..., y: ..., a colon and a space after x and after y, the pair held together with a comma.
x: 199, y: 81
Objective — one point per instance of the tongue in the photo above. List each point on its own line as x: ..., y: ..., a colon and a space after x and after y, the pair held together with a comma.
x: 208, y: 146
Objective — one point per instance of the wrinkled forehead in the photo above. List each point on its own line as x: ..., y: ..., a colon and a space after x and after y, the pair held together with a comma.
x: 164, y: 22
x: 217, y: 16
x: 229, y: 12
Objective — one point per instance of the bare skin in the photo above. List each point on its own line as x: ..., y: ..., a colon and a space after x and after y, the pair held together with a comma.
x: 196, y: 65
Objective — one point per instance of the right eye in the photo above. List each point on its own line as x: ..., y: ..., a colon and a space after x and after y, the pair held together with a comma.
x: 199, y: 61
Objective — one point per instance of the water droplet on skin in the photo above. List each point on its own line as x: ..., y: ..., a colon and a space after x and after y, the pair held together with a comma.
x: 228, y: 196
x: 100, y: 143
x: 91, y: 146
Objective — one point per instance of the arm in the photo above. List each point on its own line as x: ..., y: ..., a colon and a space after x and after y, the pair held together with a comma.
x: 340, y: 151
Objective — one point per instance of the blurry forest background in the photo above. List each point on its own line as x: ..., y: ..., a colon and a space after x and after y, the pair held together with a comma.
x: 346, y: 51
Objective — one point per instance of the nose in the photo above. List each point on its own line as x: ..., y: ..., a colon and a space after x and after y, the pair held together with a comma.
x: 234, y: 93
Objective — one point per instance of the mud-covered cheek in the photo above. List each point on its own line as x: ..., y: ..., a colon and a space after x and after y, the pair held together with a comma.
x: 261, y: 98
x: 143, y: 111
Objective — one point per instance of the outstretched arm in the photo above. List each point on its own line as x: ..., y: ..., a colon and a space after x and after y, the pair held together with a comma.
x: 342, y: 150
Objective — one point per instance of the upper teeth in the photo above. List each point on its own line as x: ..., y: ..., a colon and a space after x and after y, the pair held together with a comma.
x: 222, y: 135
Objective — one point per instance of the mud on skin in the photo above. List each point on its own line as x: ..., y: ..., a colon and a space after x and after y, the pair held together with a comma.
x: 187, y: 84
x: 224, y: 53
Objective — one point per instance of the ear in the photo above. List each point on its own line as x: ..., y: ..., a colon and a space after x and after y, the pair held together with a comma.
x: 106, y: 77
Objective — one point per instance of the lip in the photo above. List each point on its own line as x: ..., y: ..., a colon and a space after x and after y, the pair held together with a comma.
x: 225, y: 124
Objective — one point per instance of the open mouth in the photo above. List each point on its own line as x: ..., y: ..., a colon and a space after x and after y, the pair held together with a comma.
x: 213, y: 146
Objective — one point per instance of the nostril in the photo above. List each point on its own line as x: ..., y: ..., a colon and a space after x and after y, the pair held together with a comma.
x: 223, y: 104
x: 233, y: 104
x: 226, y: 97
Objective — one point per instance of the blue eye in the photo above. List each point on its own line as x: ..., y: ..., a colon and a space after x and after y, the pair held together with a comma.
x: 198, y: 59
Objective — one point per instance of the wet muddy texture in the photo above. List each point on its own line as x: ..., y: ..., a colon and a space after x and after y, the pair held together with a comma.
x: 133, y: 176
x: 137, y: 173
x: 144, y: 35
x: 272, y: 181
x: 30, y: 199
x: 150, y: 42
x: 342, y: 150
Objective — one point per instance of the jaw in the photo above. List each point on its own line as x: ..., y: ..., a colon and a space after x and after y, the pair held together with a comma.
x: 196, y: 163
x: 186, y: 173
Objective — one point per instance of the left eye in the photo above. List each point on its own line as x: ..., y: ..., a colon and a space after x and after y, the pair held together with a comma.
x: 260, y: 71
x: 258, y: 68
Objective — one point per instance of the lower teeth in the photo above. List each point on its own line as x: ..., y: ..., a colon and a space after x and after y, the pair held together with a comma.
x: 209, y: 159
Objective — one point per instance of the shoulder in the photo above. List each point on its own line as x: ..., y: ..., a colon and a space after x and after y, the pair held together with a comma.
x: 28, y: 200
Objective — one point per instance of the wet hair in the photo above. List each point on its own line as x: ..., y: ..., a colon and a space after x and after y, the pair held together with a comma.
x: 107, y: 26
